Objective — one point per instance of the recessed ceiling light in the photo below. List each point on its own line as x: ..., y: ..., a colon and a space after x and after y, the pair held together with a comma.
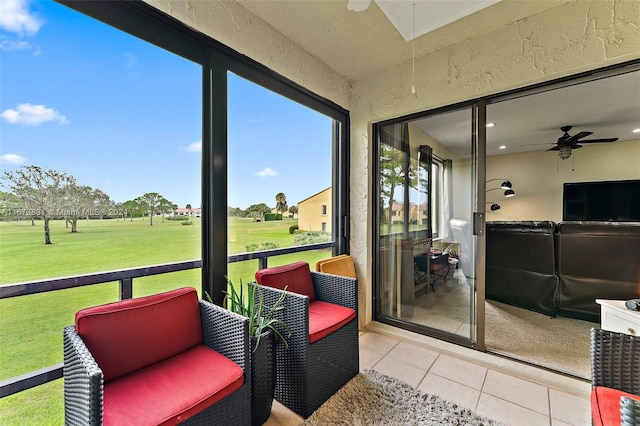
x: 636, y: 130
x: 491, y: 124
x: 502, y: 147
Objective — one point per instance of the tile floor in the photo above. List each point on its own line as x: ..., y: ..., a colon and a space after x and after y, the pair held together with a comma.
x: 505, y: 390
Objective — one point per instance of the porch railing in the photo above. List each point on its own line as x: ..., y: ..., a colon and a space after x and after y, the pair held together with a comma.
x: 125, y: 279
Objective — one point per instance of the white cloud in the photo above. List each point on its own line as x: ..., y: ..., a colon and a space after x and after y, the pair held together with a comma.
x: 16, y: 18
x: 193, y: 147
x: 10, y: 45
x: 267, y: 172
x: 32, y: 115
x: 12, y: 159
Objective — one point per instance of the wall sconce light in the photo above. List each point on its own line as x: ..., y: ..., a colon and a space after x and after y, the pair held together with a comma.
x: 506, y: 185
x: 494, y: 206
x: 507, y: 193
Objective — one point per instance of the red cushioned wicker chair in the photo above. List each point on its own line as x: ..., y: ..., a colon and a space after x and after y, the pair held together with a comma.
x: 321, y: 313
x: 615, y: 378
x: 165, y: 359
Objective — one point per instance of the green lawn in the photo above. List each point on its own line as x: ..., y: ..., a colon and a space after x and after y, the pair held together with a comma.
x: 31, y: 326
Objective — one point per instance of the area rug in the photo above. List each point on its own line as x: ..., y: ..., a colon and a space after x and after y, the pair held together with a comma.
x: 371, y: 398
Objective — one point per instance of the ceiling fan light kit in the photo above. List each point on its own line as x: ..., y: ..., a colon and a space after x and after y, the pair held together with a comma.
x: 567, y: 143
x: 564, y: 152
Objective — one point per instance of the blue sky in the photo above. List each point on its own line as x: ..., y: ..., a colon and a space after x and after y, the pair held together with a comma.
x: 124, y: 116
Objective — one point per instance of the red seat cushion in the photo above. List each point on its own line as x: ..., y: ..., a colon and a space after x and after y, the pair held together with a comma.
x: 131, y: 334
x: 325, y: 318
x: 605, y: 405
x: 295, y: 276
x: 171, y: 391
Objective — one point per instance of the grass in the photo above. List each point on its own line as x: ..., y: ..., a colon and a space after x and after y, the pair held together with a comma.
x: 31, y: 326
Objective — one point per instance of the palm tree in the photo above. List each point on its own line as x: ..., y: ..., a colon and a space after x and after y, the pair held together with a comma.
x: 281, y: 202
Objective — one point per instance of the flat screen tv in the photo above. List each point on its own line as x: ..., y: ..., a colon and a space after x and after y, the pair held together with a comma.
x: 610, y: 201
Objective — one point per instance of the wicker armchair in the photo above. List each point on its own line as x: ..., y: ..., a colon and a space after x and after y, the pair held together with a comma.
x: 615, y: 364
x: 87, y: 383
x: 312, y: 368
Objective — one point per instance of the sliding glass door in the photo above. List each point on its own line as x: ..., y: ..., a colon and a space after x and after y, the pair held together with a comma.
x: 425, y: 255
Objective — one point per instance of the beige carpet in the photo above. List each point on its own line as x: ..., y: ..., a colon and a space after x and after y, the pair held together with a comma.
x: 557, y: 343
x: 560, y: 344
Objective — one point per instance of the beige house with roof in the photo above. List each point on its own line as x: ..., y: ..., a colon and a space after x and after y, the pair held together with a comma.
x: 314, y: 213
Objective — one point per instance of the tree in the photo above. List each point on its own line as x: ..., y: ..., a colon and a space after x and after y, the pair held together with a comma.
x: 41, y: 189
x: 394, y: 172
x: 9, y: 205
x: 188, y: 207
x: 153, y: 203
x: 258, y: 209
x: 78, y: 203
x: 235, y: 212
x: 165, y: 206
x: 102, y: 203
x: 293, y: 210
x: 131, y: 208
x: 281, y: 203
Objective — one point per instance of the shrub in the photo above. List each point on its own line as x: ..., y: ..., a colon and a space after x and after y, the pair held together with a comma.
x: 311, y: 237
x: 188, y: 222
x: 293, y: 229
x: 261, y: 246
x: 177, y: 218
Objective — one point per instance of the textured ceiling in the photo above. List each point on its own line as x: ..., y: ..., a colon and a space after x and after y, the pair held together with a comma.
x: 356, y: 44
x: 608, y: 107
x: 359, y: 44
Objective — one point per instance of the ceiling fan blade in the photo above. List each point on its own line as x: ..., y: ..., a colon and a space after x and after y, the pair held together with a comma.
x: 575, y: 137
x: 555, y: 148
x: 534, y: 144
x: 599, y: 140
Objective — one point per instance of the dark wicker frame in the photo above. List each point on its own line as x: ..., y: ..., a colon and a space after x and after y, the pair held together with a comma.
x: 223, y: 331
x: 308, y: 374
x: 615, y: 363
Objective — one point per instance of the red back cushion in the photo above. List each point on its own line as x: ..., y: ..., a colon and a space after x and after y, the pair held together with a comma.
x: 131, y: 334
x: 295, y: 276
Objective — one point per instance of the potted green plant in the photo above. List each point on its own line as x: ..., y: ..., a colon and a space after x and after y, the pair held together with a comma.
x: 264, y: 326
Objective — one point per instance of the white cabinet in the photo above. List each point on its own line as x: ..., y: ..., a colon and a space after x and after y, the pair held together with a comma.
x: 616, y: 317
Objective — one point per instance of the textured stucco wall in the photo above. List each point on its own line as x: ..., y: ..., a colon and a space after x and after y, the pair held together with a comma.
x: 232, y: 25
x: 565, y: 40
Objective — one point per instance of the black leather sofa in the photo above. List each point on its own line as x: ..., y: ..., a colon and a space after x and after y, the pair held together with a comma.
x: 521, y: 268
x: 561, y: 269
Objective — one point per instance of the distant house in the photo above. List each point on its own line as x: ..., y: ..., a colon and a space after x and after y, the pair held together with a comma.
x: 314, y: 213
x: 194, y: 212
x: 397, y: 212
x: 417, y: 213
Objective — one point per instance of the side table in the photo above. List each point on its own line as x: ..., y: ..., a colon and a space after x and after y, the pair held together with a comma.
x: 616, y: 317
